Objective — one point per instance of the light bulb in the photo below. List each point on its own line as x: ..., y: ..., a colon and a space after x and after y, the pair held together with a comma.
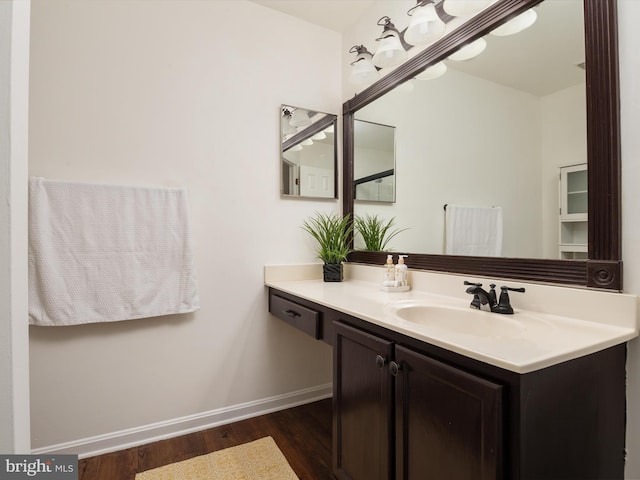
x: 299, y: 118
x: 425, y: 26
x: 390, y: 53
x: 363, y: 72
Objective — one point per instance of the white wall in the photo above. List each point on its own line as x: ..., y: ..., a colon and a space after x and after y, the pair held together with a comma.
x: 180, y: 93
x: 629, y: 39
x: 14, y: 347
x: 563, y: 143
x: 429, y: 147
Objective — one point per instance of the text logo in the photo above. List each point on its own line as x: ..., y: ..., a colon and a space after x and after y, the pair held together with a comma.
x: 50, y: 467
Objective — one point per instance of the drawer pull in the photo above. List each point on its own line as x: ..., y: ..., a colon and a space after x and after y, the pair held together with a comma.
x: 395, y: 368
x: 380, y: 361
x: 291, y: 313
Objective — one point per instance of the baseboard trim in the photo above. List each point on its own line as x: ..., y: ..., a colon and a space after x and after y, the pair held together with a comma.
x: 133, y: 437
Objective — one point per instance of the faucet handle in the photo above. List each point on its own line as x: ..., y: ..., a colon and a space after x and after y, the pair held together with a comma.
x: 504, y: 304
x: 475, y: 303
x: 512, y: 289
x: 492, y: 295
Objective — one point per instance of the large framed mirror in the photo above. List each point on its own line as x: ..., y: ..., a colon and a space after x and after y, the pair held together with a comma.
x: 308, y: 153
x: 470, y: 158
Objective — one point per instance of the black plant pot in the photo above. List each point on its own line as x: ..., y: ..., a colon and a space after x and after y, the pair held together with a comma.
x: 332, y: 272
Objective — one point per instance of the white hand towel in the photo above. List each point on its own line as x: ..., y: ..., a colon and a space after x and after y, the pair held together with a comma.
x: 101, y: 253
x: 473, y: 231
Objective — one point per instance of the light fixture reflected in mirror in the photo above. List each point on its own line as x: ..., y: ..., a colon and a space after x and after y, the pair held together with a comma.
x: 390, y: 52
x: 300, y: 118
x: 363, y: 71
x: 425, y: 25
x: 469, y: 51
x: 464, y: 8
x: 517, y: 24
x: 432, y: 72
x: 288, y: 129
x: 319, y: 136
x: 405, y: 87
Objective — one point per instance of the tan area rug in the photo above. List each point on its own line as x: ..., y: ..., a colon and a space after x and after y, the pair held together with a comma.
x: 258, y: 460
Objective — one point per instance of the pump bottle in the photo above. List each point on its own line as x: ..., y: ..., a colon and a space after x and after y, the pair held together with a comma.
x: 389, y: 278
x: 401, y: 272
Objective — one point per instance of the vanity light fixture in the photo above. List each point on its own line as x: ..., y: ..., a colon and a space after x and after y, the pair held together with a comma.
x: 517, y: 24
x: 434, y: 71
x: 390, y: 52
x: 300, y: 118
x: 306, y: 142
x: 464, y: 8
x: 425, y: 25
x: 469, y: 51
x: 363, y: 71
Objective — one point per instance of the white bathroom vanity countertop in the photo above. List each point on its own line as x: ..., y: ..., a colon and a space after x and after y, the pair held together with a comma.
x: 551, y: 324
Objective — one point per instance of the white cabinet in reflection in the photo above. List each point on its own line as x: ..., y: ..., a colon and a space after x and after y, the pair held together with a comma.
x: 574, y: 212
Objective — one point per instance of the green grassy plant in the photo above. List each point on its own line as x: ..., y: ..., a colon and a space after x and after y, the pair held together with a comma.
x: 375, y: 232
x: 332, y: 233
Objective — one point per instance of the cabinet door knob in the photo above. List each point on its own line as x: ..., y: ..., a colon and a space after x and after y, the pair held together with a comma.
x: 380, y: 361
x: 395, y: 368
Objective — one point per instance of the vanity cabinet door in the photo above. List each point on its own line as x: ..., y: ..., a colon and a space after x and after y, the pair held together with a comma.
x: 448, y: 422
x: 362, y: 405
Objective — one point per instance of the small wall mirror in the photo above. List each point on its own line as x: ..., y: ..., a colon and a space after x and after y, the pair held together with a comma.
x: 374, y: 162
x: 308, y: 156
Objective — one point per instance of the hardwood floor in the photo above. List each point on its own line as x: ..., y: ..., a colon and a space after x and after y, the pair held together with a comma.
x: 302, y: 433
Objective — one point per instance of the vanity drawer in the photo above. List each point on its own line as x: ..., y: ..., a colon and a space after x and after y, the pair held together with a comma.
x: 301, y: 317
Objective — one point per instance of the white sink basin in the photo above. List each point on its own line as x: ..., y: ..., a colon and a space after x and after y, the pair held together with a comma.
x: 458, y: 320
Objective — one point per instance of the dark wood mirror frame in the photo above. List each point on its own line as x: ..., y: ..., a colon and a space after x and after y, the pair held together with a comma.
x: 603, y: 269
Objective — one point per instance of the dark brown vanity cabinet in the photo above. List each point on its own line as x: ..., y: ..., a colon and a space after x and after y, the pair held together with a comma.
x: 448, y: 422
x: 399, y: 414
x: 405, y: 409
x: 362, y: 405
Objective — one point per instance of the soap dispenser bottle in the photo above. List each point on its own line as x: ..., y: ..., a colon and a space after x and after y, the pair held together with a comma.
x: 389, y: 278
x: 401, y: 273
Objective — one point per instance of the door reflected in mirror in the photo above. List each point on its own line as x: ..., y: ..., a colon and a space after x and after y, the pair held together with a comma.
x: 374, y: 162
x: 308, y: 156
